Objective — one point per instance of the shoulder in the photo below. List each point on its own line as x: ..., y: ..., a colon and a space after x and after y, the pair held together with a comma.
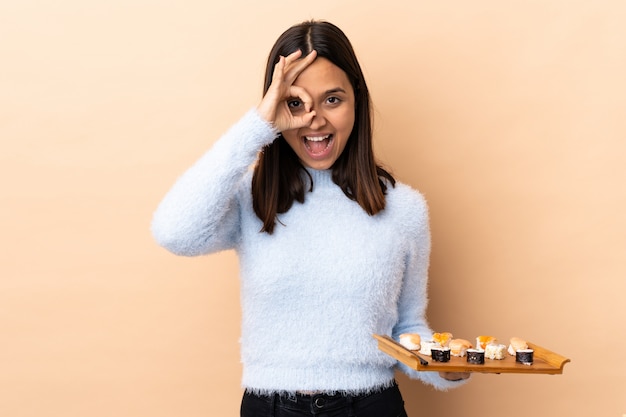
x: 404, y: 197
x: 407, y: 206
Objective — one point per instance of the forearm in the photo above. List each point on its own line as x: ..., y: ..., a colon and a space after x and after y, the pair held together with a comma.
x: 198, y: 214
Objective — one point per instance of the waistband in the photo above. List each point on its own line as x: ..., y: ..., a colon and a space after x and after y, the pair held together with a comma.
x: 321, y: 402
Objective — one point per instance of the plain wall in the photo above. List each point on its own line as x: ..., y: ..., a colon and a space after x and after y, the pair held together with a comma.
x: 507, y: 115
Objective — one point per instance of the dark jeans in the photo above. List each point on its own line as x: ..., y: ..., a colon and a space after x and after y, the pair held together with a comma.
x: 385, y: 403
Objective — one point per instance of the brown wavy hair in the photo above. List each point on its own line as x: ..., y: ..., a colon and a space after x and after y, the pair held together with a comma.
x: 278, y: 178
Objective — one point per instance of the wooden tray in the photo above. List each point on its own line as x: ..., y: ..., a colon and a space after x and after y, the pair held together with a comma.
x: 545, y: 361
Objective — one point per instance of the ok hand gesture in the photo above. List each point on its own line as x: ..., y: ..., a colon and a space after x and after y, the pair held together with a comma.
x: 274, y: 106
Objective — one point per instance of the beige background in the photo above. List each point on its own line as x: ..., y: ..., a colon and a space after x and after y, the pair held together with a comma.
x: 508, y: 115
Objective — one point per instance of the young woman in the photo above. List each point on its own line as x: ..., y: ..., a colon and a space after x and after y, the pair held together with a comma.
x: 332, y: 249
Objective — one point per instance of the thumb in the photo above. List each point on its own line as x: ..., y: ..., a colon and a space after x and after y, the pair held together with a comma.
x: 307, y: 119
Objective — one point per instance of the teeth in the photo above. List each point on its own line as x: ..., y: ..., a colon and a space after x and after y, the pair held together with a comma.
x: 316, y: 138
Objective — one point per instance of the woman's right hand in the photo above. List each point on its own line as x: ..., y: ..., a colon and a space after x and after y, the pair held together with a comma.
x: 274, y: 106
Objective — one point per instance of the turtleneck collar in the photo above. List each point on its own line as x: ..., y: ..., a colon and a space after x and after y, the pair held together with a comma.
x: 321, y: 178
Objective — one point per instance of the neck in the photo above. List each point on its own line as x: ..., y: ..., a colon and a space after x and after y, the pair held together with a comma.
x: 321, y: 178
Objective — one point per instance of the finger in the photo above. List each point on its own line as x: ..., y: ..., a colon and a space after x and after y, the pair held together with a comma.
x: 288, y: 68
x: 295, y: 68
x: 302, y: 94
x: 299, y: 65
x: 289, y: 60
x: 457, y: 376
x: 307, y: 119
x: 294, y: 56
x: 279, y: 69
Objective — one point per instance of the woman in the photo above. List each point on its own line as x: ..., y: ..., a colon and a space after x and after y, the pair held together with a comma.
x: 331, y: 248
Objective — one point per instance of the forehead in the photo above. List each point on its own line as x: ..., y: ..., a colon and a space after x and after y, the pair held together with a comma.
x: 323, y: 75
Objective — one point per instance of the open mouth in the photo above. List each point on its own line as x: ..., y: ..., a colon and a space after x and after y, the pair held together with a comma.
x: 317, y: 145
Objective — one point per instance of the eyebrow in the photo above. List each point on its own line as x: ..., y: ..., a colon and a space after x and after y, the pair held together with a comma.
x: 335, y: 90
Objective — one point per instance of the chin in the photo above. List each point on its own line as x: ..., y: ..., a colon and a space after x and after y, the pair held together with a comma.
x: 318, y: 165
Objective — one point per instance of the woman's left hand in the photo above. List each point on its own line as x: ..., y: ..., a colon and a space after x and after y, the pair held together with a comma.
x: 454, y: 376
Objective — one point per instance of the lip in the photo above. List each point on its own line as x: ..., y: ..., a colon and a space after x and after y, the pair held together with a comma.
x: 320, y: 155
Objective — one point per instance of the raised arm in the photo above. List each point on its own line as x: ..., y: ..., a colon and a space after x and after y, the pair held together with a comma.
x: 199, y: 215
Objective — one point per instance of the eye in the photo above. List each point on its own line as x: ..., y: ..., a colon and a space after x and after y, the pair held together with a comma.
x: 333, y: 100
x: 294, y: 104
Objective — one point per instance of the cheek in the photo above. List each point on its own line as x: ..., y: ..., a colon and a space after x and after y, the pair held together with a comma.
x: 346, y: 123
x: 291, y: 136
x: 293, y: 140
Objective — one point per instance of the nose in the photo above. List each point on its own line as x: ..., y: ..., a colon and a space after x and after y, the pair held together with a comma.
x: 319, y: 121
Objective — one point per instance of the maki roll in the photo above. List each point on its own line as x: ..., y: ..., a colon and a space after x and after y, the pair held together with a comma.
x: 440, y: 354
x: 524, y: 356
x: 475, y: 356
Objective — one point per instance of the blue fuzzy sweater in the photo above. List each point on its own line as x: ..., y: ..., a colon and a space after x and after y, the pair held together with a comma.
x: 315, y: 291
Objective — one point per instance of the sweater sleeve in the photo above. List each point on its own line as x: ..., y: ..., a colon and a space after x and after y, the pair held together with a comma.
x: 200, y: 214
x: 414, y: 294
